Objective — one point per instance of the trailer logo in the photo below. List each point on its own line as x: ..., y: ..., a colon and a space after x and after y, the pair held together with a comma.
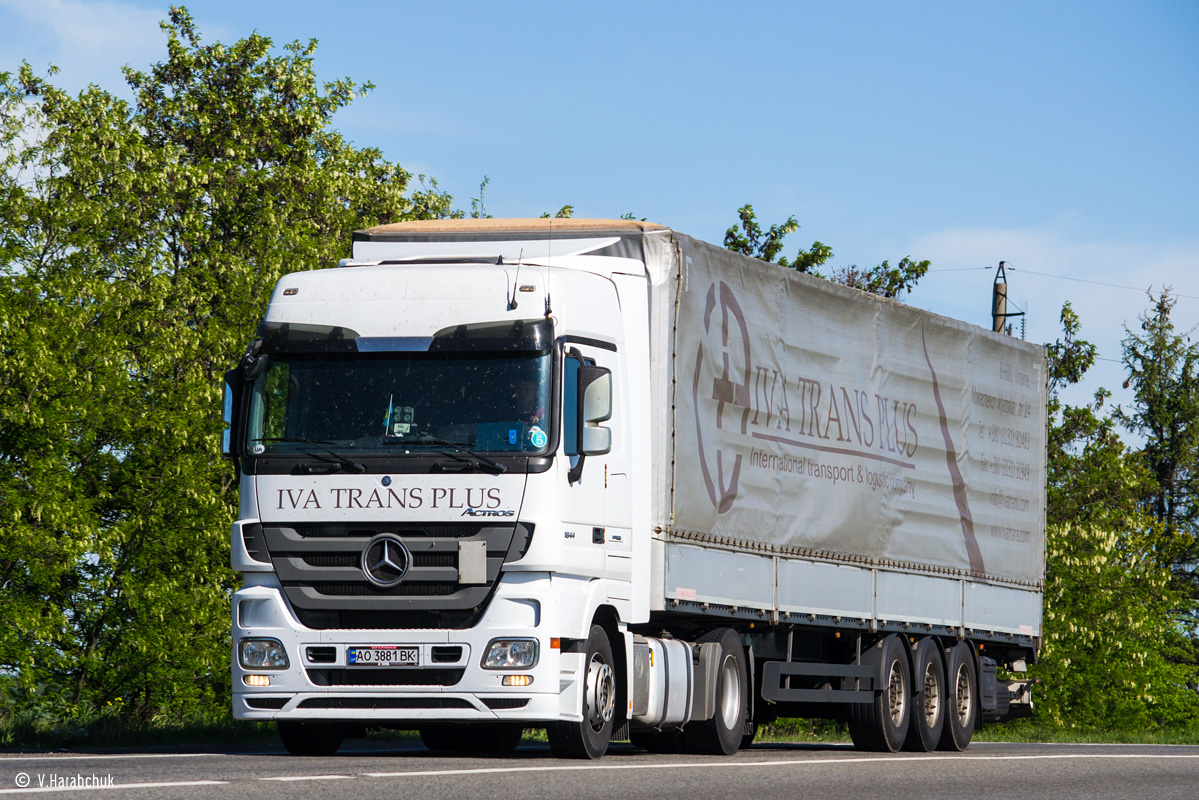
x: 385, y: 560
x: 724, y: 390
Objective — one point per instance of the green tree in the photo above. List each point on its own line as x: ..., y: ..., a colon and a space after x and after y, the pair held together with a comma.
x: 1163, y: 372
x: 1090, y: 477
x: 138, y: 245
x: 749, y: 239
x: 1114, y: 653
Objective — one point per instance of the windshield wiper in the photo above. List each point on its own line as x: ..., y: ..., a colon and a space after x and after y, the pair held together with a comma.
x: 351, y: 465
x: 458, y: 448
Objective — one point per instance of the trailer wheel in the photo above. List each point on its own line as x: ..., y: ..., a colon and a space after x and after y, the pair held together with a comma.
x: 589, y: 737
x: 468, y: 738
x: 961, y: 698
x: 722, y: 734
x: 310, y: 738
x: 882, y: 725
x: 928, y: 709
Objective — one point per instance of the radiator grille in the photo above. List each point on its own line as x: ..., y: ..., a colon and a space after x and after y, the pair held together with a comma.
x: 319, y: 566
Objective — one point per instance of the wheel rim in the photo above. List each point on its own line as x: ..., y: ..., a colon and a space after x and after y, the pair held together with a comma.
x: 896, y: 696
x: 932, y: 695
x: 961, y: 696
x: 601, y: 692
x: 730, y: 693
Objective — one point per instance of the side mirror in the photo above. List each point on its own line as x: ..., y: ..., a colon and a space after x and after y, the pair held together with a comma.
x: 234, y: 384
x: 254, y: 362
x: 595, y: 406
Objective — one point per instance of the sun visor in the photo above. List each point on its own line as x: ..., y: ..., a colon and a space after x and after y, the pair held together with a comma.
x: 534, y: 335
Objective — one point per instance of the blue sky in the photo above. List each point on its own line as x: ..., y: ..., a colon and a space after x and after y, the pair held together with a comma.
x: 1058, y: 137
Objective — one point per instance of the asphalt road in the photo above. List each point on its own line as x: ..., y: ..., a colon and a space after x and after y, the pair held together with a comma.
x: 373, y: 769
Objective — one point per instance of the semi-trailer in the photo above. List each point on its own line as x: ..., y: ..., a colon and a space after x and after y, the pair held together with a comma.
x: 602, y: 478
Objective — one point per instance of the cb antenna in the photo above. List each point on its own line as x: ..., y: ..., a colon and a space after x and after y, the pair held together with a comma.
x: 516, y: 281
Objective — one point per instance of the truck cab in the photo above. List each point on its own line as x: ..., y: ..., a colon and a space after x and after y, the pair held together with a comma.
x: 438, y: 492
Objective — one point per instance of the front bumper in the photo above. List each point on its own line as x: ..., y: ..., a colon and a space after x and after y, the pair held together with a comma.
x: 448, y: 684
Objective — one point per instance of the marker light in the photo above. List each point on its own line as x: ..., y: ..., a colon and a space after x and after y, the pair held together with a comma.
x: 257, y: 680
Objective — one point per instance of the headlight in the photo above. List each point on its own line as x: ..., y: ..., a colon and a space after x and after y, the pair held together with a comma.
x: 262, y: 654
x: 510, y: 654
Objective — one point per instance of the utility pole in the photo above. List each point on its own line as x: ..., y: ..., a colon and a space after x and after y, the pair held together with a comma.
x: 999, y: 312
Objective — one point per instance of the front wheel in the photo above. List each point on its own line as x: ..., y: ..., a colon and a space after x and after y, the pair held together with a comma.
x: 589, y: 737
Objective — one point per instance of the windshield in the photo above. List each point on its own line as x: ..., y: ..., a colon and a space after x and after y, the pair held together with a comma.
x: 395, y: 403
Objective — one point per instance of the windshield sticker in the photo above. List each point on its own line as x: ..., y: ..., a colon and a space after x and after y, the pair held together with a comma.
x: 399, y: 419
x: 537, y: 437
x: 512, y: 436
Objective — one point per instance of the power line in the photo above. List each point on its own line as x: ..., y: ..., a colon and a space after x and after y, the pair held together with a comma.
x: 1097, y: 283
x: 1064, y: 278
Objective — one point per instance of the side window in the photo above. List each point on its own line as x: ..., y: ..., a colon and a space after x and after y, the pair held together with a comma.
x: 570, y: 401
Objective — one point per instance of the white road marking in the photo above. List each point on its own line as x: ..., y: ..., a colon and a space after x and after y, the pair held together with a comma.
x: 784, y: 763
x: 307, y: 778
x: 154, y: 785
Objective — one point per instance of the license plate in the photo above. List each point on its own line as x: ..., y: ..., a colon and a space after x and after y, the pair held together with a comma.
x: 383, y: 656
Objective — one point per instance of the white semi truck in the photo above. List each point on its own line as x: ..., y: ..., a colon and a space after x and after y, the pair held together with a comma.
x: 598, y: 477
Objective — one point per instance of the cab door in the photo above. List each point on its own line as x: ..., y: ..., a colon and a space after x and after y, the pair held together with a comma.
x: 597, y: 503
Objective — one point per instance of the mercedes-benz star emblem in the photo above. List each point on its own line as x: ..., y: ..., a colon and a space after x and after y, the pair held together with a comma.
x: 385, y: 560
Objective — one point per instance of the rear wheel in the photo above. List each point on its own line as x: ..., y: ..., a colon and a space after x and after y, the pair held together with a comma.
x: 722, y: 734
x: 928, y: 711
x: 882, y: 725
x: 961, y: 698
x: 310, y: 738
x: 589, y: 737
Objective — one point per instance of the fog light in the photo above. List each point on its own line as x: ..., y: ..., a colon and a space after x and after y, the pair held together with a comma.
x: 262, y: 654
x: 510, y: 654
x: 257, y: 680
x: 518, y: 680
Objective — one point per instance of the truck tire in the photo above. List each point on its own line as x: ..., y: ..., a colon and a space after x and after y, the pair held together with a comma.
x: 961, y: 698
x: 468, y: 738
x: 722, y: 734
x: 310, y: 738
x: 589, y: 737
x: 882, y: 725
x: 928, y: 698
